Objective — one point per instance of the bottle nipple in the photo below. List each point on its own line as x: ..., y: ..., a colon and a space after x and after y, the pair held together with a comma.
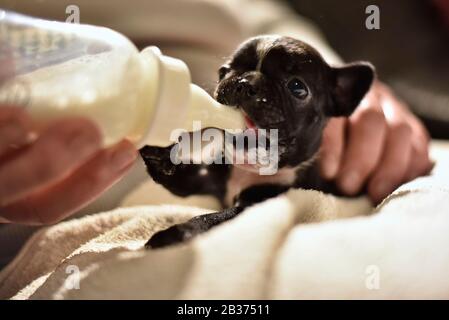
x: 204, y: 108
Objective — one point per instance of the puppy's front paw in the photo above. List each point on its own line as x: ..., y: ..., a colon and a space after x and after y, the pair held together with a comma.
x: 187, y: 230
x: 157, y: 161
x: 175, y: 234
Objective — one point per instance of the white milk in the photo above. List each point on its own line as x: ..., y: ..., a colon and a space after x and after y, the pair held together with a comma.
x: 56, y: 69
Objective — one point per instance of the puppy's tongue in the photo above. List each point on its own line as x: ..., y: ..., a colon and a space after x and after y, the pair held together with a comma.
x: 249, y: 123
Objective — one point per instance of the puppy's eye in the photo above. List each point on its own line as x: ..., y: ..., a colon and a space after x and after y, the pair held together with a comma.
x: 224, y: 69
x: 297, y: 88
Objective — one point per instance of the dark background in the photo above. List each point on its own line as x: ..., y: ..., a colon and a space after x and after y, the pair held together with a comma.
x: 410, y: 50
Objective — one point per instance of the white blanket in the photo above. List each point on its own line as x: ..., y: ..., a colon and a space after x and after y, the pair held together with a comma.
x: 303, y: 244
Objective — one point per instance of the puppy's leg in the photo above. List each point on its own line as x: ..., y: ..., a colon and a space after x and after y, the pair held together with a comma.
x: 186, y: 231
x: 185, y: 179
x: 259, y: 193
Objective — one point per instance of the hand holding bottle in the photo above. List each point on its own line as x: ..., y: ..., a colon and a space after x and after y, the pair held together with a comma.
x: 90, y: 98
x: 46, y: 174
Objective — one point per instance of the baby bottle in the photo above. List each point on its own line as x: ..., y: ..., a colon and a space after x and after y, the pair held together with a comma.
x: 55, y: 69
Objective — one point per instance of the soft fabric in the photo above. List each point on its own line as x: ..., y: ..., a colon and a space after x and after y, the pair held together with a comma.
x: 303, y: 244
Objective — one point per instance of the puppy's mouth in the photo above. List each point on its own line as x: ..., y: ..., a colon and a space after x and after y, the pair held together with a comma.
x: 285, y: 139
x: 249, y: 123
x: 252, y: 129
x: 263, y: 114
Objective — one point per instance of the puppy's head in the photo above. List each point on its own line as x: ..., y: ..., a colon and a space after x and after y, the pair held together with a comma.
x: 283, y: 83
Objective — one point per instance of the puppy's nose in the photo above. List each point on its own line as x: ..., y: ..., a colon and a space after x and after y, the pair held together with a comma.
x: 245, y: 88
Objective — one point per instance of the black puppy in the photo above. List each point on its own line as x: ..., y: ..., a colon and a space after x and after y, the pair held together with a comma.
x: 279, y: 83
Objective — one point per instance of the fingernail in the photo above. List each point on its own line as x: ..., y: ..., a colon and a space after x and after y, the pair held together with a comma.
x: 350, y: 182
x: 123, y: 157
x: 30, y: 137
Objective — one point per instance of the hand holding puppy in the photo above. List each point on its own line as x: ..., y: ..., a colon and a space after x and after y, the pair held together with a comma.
x: 381, y: 145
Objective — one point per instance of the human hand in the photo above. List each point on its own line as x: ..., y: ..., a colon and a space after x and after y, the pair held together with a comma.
x: 381, y: 145
x: 45, y: 175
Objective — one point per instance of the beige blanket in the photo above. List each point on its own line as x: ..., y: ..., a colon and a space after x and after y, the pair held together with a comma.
x: 303, y: 244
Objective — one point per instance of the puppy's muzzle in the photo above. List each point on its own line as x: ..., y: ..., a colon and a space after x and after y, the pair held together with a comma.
x: 245, y: 90
x: 242, y: 90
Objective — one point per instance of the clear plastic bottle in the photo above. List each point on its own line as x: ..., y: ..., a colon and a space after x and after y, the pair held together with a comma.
x: 56, y: 69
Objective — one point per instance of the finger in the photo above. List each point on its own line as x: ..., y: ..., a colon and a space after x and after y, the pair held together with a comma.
x: 366, y: 138
x: 77, y: 190
x: 15, y: 129
x: 58, y: 150
x: 332, y: 147
x: 394, y: 163
x: 420, y: 163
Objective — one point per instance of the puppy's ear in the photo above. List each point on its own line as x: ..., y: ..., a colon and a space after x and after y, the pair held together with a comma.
x: 223, y: 71
x: 351, y: 83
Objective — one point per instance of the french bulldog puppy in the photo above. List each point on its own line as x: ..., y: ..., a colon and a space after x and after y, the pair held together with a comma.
x: 278, y: 83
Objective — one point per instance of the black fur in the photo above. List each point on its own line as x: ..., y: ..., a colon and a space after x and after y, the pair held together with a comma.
x: 279, y: 83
